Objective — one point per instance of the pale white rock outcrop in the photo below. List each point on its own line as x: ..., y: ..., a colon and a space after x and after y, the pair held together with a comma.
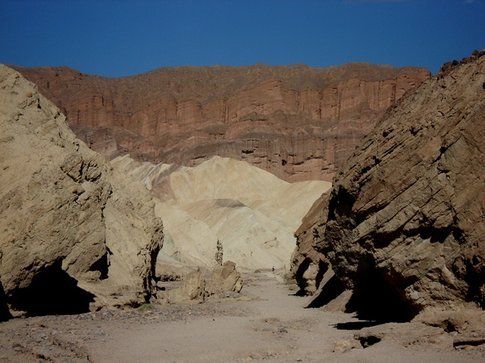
x: 252, y: 213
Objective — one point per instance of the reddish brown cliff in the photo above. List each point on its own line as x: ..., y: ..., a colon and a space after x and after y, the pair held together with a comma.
x: 295, y: 121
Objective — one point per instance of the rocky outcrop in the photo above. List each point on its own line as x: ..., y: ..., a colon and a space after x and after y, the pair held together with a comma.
x: 308, y: 265
x: 225, y: 278
x: 133, y: 237
x: 72, y: 233
x: 297, y: 122
x: 405, y: 222
x: 200, y: 284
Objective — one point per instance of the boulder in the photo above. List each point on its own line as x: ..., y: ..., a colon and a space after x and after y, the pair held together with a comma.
x: 193, y: 289
x: 224, y: 279
x: 200, y: 284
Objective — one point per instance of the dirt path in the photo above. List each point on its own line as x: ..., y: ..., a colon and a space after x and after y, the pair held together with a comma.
x: 266, y: 323
x: 275, y: 327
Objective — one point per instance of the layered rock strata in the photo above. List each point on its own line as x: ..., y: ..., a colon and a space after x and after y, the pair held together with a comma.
x: 73, y: 234
x: 297, y: 122
x: 405, y: 222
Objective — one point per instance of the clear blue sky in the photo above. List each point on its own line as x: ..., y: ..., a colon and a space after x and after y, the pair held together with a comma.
x: 116, y: 38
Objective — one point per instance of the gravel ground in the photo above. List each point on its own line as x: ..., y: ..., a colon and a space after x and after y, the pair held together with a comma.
x: 265, y: 323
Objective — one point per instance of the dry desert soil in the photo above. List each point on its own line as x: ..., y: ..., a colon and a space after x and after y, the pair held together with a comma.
x: 264, y: 323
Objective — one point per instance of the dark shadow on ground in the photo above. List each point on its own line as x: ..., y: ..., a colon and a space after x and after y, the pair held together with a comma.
x: 356, y: 325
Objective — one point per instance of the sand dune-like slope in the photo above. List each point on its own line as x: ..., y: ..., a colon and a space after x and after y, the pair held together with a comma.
x: 252, y: 213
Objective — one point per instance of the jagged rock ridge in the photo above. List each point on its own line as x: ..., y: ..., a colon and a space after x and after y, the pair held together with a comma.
x: 405, y: 222
x: 297, y: 122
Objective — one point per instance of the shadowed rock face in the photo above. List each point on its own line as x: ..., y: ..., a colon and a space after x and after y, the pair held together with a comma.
x: 297, y: 122
x: 405, y: 223
x: 307, y: 264
x: 72, y: 231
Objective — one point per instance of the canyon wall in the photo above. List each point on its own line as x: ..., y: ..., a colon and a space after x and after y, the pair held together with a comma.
x: 403, y: 226
x: 74, y: 234
x: 297, y: 122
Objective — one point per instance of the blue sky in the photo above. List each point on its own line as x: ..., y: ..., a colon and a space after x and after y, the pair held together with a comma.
x: 117, y: 38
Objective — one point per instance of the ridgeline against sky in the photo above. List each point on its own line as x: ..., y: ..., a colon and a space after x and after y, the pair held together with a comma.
x: 118, y: 38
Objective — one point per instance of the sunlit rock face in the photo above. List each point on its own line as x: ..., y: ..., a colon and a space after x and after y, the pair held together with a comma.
x: 298, y: 122
x: 74, y: 234
x: 224, y: 210
x: 403, y: 225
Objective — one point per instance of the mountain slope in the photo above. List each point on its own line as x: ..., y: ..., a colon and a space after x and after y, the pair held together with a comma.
x: 252, y: 213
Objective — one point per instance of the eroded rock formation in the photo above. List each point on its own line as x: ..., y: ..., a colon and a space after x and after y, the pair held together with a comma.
x: 405, y: 223
x: 224, y: 205
x: 73, y: 234
x: 297, y: 122
x: 307, y: 264
x: 201, y: 284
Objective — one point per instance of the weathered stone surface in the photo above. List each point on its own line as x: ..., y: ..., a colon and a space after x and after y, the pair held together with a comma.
x: 192, y: 289
x: 200, y: 284
x: 134, y: 237
x: 308, y: 266
x: 225, y: 278
x: 466, y: 325
x: 67, y: 224
x: 405, y: 224
x: 297, y: 122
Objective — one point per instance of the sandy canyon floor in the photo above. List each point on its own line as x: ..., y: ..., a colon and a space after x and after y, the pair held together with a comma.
x: 266, y: 322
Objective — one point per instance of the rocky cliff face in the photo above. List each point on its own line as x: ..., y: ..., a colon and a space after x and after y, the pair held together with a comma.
x: 405, y: 223
x: 297, y: 122
x: 72, y: 233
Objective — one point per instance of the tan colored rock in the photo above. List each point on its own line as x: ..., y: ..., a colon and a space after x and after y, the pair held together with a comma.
x: 134, y: 237
x: 466, y: 324
x: 224, y: 278
x: 308, y: 266
x: 345, y: 345
x: 405, y: 225
x: 200, y: 284
x: 71, y: 234
x: 193, y: 289
x: 297, y: 122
